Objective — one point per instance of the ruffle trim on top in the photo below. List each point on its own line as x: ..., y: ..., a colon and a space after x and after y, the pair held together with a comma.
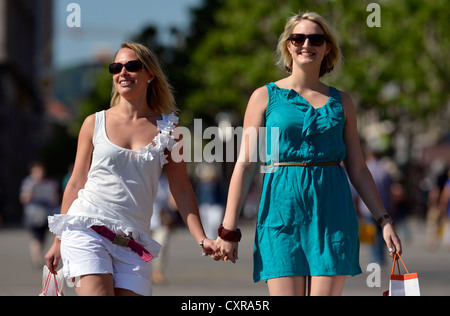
x: 58, y: 223
x: 320, y: 120
x: 164, y: 140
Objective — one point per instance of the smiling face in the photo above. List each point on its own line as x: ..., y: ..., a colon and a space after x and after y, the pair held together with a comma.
x: 130, y: 85
x: 307, y: 54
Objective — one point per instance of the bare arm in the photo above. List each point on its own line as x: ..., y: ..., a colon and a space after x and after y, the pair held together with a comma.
x: 82, y: 164
x: 244, y: 169
x: 360, y: 176
x: 77, y: 181
x: 184, y: 197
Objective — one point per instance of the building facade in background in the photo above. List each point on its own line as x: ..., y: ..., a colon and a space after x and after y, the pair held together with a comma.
x: 25, y: 84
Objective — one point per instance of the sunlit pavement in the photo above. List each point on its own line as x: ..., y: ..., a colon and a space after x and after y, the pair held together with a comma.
x: 190, y: 274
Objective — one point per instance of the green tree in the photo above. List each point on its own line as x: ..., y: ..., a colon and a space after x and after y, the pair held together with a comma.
x: 399, y: 68
x: 400, y: 71
x: 98, y: 99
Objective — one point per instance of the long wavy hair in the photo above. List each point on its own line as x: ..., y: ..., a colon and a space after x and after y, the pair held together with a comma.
x: 159, y: 92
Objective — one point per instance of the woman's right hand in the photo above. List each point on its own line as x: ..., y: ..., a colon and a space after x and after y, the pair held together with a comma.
x: 53, y: 255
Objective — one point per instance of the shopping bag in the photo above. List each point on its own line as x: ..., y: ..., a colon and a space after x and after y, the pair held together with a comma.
x: 52, y: 283
x: 402, y: 284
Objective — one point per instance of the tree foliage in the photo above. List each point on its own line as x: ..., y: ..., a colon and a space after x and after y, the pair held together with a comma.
x: 399, y: 68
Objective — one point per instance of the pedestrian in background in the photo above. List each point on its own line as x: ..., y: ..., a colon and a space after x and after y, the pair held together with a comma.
x: 210, y: 197
x: 436, y: 211
x: 307, y: 225
x: 40, y: 197
x: 103, y: 231
x: 384, y: 182
x: 162, y: 224
x: 444, y: 205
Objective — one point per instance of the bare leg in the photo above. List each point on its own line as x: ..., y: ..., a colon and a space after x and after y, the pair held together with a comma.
x: 327, y: 285
x: 96, y: 285
x: 123, y: 292
x: 287, y: 286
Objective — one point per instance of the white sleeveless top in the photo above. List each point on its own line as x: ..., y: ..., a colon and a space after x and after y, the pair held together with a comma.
x: 121, y: 187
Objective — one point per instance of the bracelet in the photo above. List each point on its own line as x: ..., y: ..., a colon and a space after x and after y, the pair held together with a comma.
x: 230, y: 235
x: 381, y: 219
x: 204, y: 254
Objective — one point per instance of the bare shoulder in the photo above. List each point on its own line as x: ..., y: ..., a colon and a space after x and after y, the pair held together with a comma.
x: 347, y: 103
x: 346, y: 98
x: 260, y: 94
x: 88, y: 127
x: 256, y: 107
x: 259, y: 99
x: 89, y: 122
x: 283, y: 83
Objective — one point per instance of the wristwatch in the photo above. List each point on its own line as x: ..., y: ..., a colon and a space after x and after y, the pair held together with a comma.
x: 381, y: 219
x: 230, y: 235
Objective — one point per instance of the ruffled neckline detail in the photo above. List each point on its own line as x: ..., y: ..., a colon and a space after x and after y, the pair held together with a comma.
x: 164, y: 140
x: 316, y: 120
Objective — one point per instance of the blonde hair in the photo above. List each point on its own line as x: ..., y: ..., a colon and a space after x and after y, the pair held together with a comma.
x: 159, y: 92
x: 332, y: 59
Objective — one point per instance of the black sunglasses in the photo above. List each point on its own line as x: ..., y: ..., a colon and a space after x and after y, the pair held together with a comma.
x: 314, y: 39
x: 131, y: 66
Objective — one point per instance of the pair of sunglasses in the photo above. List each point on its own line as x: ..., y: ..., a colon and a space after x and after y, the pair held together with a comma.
x: 131, y: 66
x: 314, y: 39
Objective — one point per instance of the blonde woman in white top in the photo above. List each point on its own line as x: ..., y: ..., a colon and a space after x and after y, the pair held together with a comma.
x: 103, y: 231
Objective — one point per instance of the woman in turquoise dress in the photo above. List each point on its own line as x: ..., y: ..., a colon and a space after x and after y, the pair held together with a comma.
x: 307, y: 225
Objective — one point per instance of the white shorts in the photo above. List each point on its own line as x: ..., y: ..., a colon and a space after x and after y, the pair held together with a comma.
x: 83, y: 252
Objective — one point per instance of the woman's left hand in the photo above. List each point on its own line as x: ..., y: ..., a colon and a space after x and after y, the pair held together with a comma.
x: 390, y: 237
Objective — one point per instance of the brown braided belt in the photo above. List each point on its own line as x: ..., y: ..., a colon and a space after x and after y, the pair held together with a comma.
x: 302, y: 164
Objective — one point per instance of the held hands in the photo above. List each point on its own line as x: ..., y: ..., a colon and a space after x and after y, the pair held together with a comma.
x: 227, y: 242
x: 225, y: 247
x: 227, y: 250
x: 208, y: 247
x: 219, y: 249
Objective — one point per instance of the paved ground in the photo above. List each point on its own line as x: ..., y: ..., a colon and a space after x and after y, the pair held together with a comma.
x: 190, y: 274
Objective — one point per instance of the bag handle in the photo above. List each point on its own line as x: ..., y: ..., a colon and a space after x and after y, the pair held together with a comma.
x: 396, y: 257
x: 47, y: 282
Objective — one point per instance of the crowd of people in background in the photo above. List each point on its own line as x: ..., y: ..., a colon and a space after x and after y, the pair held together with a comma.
x: 40, y: 196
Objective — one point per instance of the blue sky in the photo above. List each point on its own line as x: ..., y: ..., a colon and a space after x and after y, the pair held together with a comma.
x: 105, y: 24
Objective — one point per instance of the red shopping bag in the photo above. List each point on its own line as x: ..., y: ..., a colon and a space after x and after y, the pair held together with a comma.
x: 402, y: 284
x: 52, y: 283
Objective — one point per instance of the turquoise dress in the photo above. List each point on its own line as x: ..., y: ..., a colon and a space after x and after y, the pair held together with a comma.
x: 307, y: 224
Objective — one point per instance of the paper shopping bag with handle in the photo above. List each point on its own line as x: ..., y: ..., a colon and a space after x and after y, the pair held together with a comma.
x: 402, y: 284
x: 52, y: 283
